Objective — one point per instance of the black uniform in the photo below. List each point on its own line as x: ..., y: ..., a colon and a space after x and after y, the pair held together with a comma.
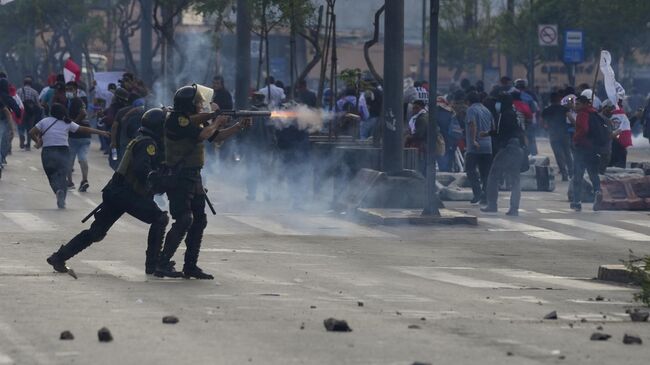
x: 184, y: 154
x: 126, y: 192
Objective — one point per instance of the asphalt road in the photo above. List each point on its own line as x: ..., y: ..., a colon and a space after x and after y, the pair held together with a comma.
x: 443, y: 295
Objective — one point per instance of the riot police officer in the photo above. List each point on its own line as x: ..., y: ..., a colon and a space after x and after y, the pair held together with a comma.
x: 128, y: 191
x: 186, y: 128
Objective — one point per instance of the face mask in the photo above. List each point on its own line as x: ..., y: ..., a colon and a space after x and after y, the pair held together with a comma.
x: 497, y: 106
x: 69, y: 94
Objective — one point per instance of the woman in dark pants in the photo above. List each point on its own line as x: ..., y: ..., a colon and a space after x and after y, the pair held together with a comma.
x: 51, y: 133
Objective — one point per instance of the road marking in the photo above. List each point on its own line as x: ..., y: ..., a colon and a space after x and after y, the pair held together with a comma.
x: 30, y: 222
x: 604, y: 229
x: 527, y: 229
x: 433, y: 273
x: 263, y: 252
x: 23, y: 345
x: 266, y: 225
x: 33, y: 168
x: 550, y: 211
x: 85, y: 199
x: 118, y: 269
x: 638, y: 222
x: 571, y: 282
x: 329, y: 226
x: 4, y: 359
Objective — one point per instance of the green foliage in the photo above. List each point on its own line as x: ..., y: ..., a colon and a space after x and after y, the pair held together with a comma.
x: 640, y: 268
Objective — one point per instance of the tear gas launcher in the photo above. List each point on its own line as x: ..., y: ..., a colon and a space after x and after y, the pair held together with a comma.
x: 244, y: 113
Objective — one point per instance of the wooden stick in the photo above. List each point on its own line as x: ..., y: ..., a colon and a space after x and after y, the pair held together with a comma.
x: 593, y: 89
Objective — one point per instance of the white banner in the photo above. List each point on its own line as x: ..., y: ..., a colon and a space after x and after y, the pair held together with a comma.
x: 614, y: 89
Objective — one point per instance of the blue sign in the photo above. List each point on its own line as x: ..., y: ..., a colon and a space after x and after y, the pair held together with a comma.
x: 574, y: 50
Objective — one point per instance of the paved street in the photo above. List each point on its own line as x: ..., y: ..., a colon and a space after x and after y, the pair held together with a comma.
x: 444, y: 295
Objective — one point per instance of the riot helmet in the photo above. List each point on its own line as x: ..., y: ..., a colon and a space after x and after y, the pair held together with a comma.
x: 184, y: 99
x: 153, y: 122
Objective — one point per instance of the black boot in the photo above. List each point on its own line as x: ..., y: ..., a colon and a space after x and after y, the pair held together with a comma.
x: 57, y: 262
x: 196, y: 272
x: 167, y: 270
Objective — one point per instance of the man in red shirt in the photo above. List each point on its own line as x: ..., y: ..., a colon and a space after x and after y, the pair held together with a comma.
x: 586, y: 154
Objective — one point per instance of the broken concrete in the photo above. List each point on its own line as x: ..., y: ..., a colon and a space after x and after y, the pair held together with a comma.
x: 66, y: 335
x: 104, y: 335
x: 639, y: 316
x: 336, y: 325
x: 597, y: 336
x: 170, y: 320
x: 632, y: 340
x: 552, y: 315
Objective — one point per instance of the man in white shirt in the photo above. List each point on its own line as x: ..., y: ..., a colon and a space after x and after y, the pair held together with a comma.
x: 277, y: 94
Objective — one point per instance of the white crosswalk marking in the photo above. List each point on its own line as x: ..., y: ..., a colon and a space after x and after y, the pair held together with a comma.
x: 550, y: 211
x: 527, y: 229
x: 30, y: 222
x: 329, y: 226
x: 266, y: 225
x: 118, y: 269
x: 576, y: 283
x: 604, y: 229
x: 85, y: 199
x: 23, y: 345
x: 638, y: 222
x: 433, y: 273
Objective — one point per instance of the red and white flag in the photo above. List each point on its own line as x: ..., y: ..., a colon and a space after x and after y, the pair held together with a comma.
x: 614, y: 90
x: 71, y: 71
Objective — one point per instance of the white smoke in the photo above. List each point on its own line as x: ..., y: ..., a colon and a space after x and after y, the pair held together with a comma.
x: 306, y: 118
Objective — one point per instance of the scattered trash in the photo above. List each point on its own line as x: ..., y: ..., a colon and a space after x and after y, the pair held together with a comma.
x: 552, y: 315
x: 638, y: 316
x: 170, y: 319
x: 336, y: 325
x: 632, y: 340
x: 584, y: 320
x: 312, y: 306
x: 302, y: 326
x: 104, y: 335
x: 597, y: 336
x: 423, y: 319
x: 414, y: 327
x: 66, y: 335
x: 600, y: 328
x: 360, y: 304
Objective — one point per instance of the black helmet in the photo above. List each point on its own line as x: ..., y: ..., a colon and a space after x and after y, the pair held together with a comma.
x: 153, y: 121
x: 184, y: 99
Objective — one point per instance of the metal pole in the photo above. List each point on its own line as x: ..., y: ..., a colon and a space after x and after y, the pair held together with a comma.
x: 243, y: 69
x: 146, y: 72
x: 393, y: 147
x: 433, y: 201
x: 424, y: 36
x: 511, y: 17
x: 531, y: 51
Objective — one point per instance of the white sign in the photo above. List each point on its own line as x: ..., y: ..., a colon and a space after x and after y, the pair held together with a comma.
x: 547, y: 34
x: 573, y: 39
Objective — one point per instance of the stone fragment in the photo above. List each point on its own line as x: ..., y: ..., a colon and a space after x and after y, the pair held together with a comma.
x: 600, y: 298
x: 414, y: 327
x: 104, y: 335
x: 336, y: 325
x: 312, y: 306
x: 552, y: 315
x: 632, y: 340
x: 66, y: 335
x: 360, y: 303
x: 302, y: 326
x: 638, y: 316
x: 597, y: 336
x: 421, y: 363
x: 170, y: 320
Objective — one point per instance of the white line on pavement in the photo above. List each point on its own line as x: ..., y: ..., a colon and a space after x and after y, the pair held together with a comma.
x: 266, y: 225
x: 329, y: 226
x: 118, y: 269
x: 30, y: 222
x: 604, y: 229
x: 575, y: 283
x: 4, y: 359
x: 87, y: 200
x: 433, y: 273
x: 527, y: 229
x: 263, y: 252
x: 33, y: 168
x: 638, y: 222
x: 23, y: 345
x: 550, y: 211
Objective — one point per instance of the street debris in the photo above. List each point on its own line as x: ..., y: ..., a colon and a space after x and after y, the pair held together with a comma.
x: 421, y: 363
x: 597, y: 336
x: 600, y: 298
x: 552, y: 315
x: 638, y: 316
x: 632, y: 340
x: 423, y: 319
x: 336, y: 325
x: 66, y: 335
x: 104, y: 335
x: 414, y: 327
x: 302, y: 326
x: 72, y: 273
x: 509, y: 353
x: 600, y: 328
x: 312, y: 306
x: 360, y: 303
x: 170, y: 320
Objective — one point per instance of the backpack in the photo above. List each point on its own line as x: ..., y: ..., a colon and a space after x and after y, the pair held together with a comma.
x: 599, y: 131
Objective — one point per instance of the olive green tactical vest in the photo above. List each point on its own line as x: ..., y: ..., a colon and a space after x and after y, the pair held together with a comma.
x: 127, y: 170
x: 184, y: 152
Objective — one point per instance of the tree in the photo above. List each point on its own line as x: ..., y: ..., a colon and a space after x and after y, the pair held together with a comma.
x: 127, y: 20
x: 465, y: 35
x: 165, y: 19
x: 219, y: 10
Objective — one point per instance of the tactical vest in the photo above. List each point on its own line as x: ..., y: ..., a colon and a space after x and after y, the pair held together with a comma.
x: 183, y: 152
x: 127, y: 170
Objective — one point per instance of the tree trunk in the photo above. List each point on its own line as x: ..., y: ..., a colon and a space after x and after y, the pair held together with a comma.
x: 370, y: 43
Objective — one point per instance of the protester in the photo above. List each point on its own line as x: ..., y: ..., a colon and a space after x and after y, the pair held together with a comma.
x: 51, y: 133
x: 374, y: 97
x: 509, y: 139
x: 274, y: 95
x: 555, y: 121
x: 622, y: 136
x: 10, y: 126
x: 417, y: 133
x: 5, y: 123
x: 479, y: 148
x: 586, y: 141
x: 352, y: 110
x: 79, y: 142
x: 304, y: 95
x: 451, y: 132
x: 528, y: 97
x: 33, y: 112
x: 221, y: 96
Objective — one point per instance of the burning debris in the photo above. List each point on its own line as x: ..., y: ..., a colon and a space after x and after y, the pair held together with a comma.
x: 336, y: 325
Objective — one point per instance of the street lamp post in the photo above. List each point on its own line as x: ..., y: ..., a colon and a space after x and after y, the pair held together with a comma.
x: 433, y: 201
